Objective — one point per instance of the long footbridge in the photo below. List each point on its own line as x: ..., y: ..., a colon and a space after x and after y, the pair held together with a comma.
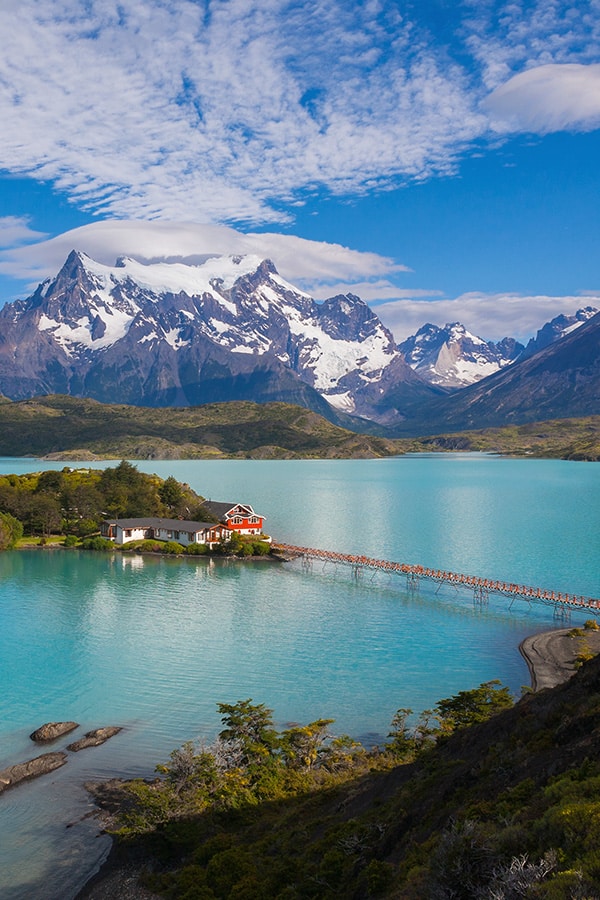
x: 563, y: 603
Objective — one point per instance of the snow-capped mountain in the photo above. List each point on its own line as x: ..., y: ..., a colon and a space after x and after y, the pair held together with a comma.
x: 560, y: 381
x: 558, y: 328
x: 452, y: 357
x: 173, y: 334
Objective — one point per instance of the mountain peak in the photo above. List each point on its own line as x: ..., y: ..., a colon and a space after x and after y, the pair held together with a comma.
x: 453, y: 357
x: 229, y: 327
x: 557, y: 328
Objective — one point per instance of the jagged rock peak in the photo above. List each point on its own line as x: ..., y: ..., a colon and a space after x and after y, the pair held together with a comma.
x: 453, y: 357
x: 228, y: 327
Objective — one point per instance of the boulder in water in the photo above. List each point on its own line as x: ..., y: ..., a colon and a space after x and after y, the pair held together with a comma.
x: 52, y: 730
x: 32, y: 768
x: 94, y: 738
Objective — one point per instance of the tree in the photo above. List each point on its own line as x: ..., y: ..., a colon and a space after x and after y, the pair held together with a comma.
x: 171, y: 494
x: 403, y: 739
x: 127, y: 492
x: 250, y: 724
x: 471, y: 707
x: 302, y: 744
x: 10, y: 531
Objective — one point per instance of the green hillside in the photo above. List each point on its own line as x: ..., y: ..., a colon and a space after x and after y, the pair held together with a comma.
x: 71, y: 428
x: 486, y: 800
x: 76, y: 428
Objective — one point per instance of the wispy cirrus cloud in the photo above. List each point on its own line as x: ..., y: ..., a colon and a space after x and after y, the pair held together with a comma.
x: 16, y: 231
x: 224, y: 111
x: 232, y: 111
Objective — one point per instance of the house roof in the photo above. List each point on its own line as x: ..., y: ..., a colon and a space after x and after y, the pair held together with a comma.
x: 222, y: 509
x: 170, y: 524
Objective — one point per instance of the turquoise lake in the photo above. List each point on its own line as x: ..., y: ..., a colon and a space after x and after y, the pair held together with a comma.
x: 153, y: 644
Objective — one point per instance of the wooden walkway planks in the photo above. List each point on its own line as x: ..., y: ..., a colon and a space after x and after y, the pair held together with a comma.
x: 481, y: 586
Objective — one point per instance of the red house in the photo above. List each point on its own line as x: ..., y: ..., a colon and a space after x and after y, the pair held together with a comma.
x: 238, y: 517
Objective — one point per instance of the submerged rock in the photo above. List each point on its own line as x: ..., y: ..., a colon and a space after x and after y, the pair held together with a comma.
x: 32, y: 768
x: 94, y: 738
x: 52, y: 730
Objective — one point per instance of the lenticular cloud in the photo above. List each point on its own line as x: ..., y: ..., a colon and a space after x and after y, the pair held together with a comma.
x: 548, y: 98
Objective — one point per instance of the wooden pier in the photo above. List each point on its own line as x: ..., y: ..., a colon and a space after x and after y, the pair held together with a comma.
x: 481, y: 587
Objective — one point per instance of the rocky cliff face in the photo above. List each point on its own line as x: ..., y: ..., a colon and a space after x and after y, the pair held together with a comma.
x: 173, y: 334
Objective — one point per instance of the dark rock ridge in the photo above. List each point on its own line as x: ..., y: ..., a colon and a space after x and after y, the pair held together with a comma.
x: 178, y: 335
x: 33, y: 768
x: 52, y: 730
x: 94, y: 738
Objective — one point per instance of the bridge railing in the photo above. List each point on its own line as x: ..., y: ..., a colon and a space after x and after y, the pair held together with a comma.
x: 570, y: 600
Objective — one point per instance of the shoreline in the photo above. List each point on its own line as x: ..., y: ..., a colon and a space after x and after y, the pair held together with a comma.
x: 550, y: 657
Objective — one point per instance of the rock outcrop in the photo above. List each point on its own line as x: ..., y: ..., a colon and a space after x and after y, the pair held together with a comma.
x: 32, y: 768
x: 94, y: 738
x: 52, y: 730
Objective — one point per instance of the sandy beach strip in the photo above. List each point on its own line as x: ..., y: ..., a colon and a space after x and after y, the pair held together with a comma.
x: 551, y: 655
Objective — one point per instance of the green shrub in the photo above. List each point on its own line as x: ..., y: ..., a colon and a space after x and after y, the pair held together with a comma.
x: 97, y: 543
x: 146, y: 546
x: 70, y: 541
x: 196, y: 549
x: 261, y: 548
x: 173, y: 547
x: 11, y: 530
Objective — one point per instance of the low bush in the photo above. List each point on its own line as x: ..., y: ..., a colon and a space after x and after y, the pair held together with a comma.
x: 97, y: 543
x: 172, y: 547
x: 196, y: 549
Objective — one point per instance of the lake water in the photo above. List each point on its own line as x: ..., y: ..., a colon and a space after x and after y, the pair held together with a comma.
x: 153, y: 644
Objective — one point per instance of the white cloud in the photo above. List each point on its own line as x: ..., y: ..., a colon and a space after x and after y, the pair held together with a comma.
x: 234, y: 111
x: 506, y: 38
x: 490, y: 316
x: 314, y: 263
x: 182, y: 110
x: 548, y: 98
x: 15, y: 230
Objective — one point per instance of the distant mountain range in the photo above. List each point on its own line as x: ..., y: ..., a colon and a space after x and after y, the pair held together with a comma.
x: 454, y: 358
x: 232, y: 329
x: 561, y: 380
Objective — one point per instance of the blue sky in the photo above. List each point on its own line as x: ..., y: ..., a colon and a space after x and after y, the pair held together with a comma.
x: 439, y: 158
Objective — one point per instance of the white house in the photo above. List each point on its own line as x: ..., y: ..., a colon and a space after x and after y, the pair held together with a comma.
x: 122, y: 531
